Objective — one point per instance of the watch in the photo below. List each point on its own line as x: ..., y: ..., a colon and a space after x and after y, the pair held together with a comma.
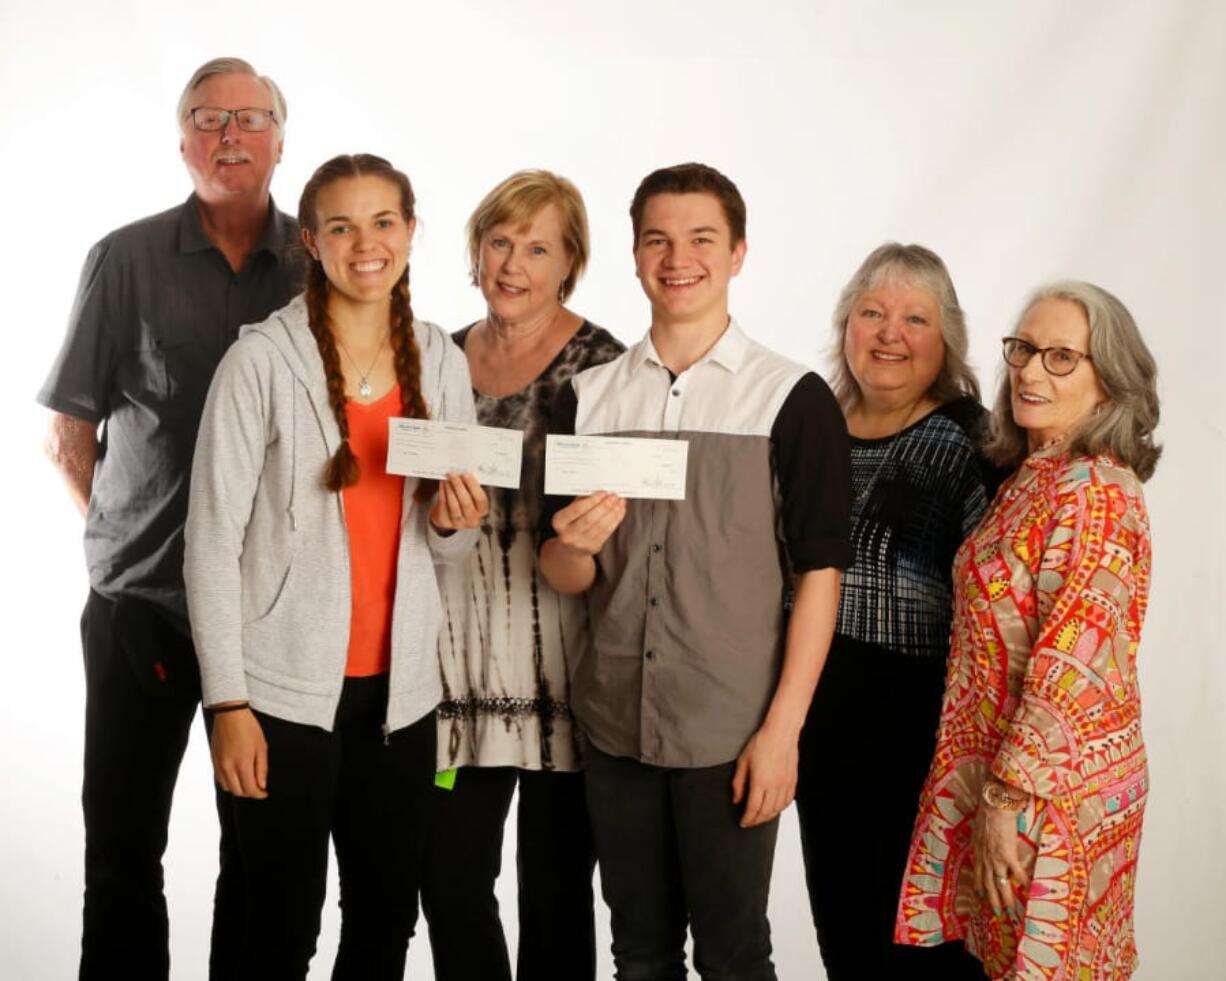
x: 999, y: 799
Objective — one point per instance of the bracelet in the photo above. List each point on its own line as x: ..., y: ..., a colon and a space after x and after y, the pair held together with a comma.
x: 998, y: 798
x: 230, y: 708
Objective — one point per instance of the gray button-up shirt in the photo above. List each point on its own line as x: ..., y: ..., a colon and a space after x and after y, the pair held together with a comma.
x: 688, y: 603
x: 156, y: 308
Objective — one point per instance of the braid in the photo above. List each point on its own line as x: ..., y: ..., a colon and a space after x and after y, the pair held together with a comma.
x: 342, y: 470
x: 407, y: 358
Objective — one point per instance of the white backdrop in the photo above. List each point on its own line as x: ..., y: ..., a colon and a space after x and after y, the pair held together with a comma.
x: 1021, y: 141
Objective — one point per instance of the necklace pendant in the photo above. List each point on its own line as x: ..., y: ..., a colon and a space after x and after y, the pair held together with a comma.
x: 364, y: 388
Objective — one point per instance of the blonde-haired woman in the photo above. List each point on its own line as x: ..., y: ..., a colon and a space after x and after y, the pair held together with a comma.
x: 508, y: 636
x: 1030, y: 820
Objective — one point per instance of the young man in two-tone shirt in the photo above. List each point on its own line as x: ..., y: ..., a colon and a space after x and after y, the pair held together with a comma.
x: 692, y: 698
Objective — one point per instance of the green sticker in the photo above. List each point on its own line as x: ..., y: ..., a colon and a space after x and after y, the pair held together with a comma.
x: 445, y: 779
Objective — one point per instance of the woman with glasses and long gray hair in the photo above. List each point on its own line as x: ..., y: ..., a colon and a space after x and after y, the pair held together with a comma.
x: 1030, y: 820
x: 919, y: 485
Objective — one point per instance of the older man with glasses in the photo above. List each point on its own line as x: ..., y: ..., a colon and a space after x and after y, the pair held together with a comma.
x: 158, y: 303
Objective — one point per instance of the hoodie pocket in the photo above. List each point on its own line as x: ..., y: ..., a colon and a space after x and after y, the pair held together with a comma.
x: 269, y: 607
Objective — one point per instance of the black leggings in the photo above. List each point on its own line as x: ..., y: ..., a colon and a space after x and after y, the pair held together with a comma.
x: 554, y: 863
x: 369, y: 794
x: 864, y: 754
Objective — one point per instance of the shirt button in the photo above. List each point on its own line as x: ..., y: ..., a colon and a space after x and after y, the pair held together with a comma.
x: 656, y: 547
x: 654, y: 601
x: 650, y: 655
x: 676, y: 392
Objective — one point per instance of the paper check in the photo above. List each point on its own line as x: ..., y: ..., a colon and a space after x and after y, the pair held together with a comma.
x: 625, y: 465
x: 431, y: 448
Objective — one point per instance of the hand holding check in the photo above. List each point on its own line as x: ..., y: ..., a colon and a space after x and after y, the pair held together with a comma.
x: 461, y: 503
x: 586, y: 523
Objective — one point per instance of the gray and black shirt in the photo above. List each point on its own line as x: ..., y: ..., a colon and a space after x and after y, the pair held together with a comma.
x: 688, y: 603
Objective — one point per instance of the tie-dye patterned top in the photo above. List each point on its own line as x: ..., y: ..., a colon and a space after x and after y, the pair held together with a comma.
x: 1041, y: 691
x: 507, y: 637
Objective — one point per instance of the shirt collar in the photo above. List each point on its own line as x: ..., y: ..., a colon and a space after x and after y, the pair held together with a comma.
x: 193, y: 239
x: 728, y: 352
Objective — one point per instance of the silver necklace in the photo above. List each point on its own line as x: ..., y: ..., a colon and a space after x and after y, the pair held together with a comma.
x: 364, y: 389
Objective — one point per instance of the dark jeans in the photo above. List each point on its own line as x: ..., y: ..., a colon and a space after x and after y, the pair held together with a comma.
x: 554, y: 863
x: 671, y: 850
x: 141, y: 692
x: 366, y: 792
x: 864, y: 755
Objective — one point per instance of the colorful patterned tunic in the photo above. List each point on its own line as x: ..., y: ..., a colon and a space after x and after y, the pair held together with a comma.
x: 1041, y: 690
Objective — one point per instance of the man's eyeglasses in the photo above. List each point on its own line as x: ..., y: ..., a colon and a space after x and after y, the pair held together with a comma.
x: 1057, y: 361
x: 210, y: 119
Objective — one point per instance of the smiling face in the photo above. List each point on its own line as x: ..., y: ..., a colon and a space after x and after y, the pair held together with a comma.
x: 361, y: 238
x: 521, y: 268
x: 230, y: 162
x: 685, y: 257
x: 893, y: 343
x: 1045, y: 405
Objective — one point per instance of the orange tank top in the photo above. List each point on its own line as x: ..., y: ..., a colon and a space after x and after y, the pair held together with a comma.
x: 372, y: 516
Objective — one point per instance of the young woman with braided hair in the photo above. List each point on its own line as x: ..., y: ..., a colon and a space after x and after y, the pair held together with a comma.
x: 311, y: 581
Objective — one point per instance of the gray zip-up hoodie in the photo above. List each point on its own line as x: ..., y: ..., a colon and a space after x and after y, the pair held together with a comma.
x: 267, y: 563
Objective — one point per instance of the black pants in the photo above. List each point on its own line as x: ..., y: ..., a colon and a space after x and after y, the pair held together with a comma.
x: 141, y: 692
x: 369, y: 795
x: 864, y: 755
x: 554, y: 864
x: 671, y: 850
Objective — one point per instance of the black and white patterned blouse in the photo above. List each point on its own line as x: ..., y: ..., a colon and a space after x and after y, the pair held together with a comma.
x: 507, y: 636
x: 916, y: 495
